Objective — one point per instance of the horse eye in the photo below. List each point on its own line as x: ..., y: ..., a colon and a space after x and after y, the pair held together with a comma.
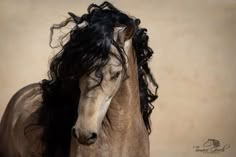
x: 115, y: 75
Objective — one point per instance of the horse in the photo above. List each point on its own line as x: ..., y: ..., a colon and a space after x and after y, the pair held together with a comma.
x: 98, y: 97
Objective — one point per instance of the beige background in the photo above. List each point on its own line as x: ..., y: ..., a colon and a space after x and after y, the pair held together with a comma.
x: 194, y: 63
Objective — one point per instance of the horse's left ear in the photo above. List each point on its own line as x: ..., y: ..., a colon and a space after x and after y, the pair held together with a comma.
x: 123, y: 33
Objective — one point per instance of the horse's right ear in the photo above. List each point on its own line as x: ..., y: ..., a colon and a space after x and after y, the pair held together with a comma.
x: 74, y: 17
x: 123, y: 33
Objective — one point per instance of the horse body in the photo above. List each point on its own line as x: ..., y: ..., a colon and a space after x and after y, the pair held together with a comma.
x: 122, y: 134
x: 97, y: 101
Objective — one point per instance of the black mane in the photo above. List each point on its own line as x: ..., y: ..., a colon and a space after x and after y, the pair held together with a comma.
x: 61, y: 91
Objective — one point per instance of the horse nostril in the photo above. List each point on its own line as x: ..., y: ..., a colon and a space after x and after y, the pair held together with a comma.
x: 74, y: 133
x: 87, y: 138
x: 92, y: 137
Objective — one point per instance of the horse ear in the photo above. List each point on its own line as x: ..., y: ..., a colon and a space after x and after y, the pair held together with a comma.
x: 123, y: 33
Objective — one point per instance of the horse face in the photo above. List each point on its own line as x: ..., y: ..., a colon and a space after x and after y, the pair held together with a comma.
x: 95, y: 100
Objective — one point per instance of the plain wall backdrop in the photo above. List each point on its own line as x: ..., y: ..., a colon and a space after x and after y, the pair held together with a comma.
x: 194, y: 64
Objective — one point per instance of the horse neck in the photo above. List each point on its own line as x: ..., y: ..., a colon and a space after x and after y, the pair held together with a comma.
x: 123, y: 126
x: 124, y: 111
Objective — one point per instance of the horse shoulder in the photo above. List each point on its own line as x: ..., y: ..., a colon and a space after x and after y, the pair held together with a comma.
x: 16, y: 132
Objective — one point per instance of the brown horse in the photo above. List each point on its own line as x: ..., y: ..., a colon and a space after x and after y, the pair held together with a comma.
x: 97, y: 100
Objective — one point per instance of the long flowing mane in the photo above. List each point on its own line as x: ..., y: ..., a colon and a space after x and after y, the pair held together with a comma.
x: 86, y: 51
